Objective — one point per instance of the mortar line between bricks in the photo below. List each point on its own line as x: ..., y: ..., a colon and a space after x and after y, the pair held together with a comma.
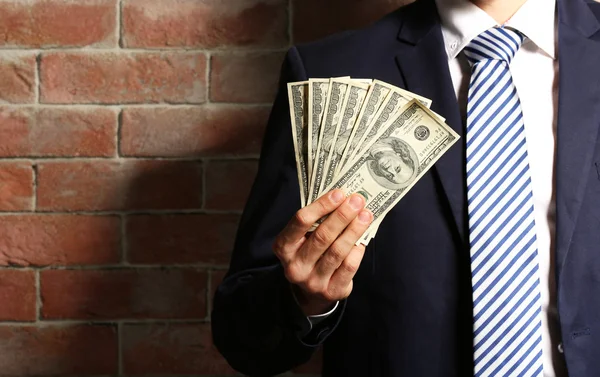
x: 20, y: 269
x: 119, y: 125
x: 208, y: 74
x: 119, y: 267
x: 38, y: 297
x: 59, y: 106
x: 51, y: 212
x: 229, y: 50
x: 120, y: 370
x: 117, y: 106
x: 50, y: 159
x: 290, y: 22
x: 37, y: 78
x: 34, y: 171
x: 96, y: 322
x: 204, y: 185
x: 123, y: 258
x: 119, y: 24
x: 209, y: 276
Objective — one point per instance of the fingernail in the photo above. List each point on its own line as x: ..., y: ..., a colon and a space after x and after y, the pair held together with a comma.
x: 357, y: 202
x: 337, y: 196
x: 364, y: 217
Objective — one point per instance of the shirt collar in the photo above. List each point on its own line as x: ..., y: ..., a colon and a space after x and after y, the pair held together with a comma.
x: 537, y: 20
x: 462, y: 21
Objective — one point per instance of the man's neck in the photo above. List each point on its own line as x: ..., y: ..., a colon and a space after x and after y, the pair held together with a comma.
x: 500, y: 10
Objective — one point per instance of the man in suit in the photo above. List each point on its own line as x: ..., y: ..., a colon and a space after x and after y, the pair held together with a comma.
x: 491, y: 264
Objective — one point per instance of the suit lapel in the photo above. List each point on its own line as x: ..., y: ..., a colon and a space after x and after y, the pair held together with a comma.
x: 424, y: 67
x: 578, y: 112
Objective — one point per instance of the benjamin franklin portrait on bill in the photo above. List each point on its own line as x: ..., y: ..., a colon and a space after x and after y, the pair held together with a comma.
x: 393, y: 163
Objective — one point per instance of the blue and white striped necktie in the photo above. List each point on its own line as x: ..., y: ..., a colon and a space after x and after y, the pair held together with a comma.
x: 504, y: 257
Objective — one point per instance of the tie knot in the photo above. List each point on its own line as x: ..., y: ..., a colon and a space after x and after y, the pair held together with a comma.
x: 494, y: 44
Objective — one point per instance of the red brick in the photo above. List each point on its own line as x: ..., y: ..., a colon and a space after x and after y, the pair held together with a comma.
x: 44, y: 23
x: 114, y: 78
x: 58, y: 350
x: 200, y: 131
x: 41, y: 132
x: 16, y: 186
x: 314, y: 19
x: 17, y: 295
x: 114, y: 294
x: 228, y: 183
x: 180, y: 238
x: 41, y: 240
x: 17, y: 76
x: 248, y: 78
x: 208, y: 23
x: 117, y: 185
x: 171, y: 349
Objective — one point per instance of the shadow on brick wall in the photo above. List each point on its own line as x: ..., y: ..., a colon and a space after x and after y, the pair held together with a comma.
x: 129, y: 241
x: 182, y: 236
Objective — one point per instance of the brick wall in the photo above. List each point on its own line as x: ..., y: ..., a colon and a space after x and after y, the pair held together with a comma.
x: 129, y: 133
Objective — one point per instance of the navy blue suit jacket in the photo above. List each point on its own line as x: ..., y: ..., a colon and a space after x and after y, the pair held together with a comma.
x: 410, y: 313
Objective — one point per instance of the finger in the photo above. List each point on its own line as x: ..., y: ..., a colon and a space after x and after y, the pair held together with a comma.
x: 340, y: 283
x: 333, y: 258
x: 324, y: 236
x: 287, y: 252
x: 307, y: 216
x: 303, y: 220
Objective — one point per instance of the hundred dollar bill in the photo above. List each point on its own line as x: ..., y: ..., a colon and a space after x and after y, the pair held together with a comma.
x: 375, y: 97
x: 333, y: 112
x: 394, y: 102
x: 298, y: 99
x: 362, y: 81
x: 370, y: 233
x: 365, y: 239
x: 355, y: 98
x: 317, y: 97
x: 397, y: 159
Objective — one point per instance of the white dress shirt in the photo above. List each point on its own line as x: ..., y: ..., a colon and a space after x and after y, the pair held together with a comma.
x: 535, y: 74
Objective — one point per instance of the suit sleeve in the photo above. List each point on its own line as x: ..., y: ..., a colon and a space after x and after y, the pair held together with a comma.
x: 256, y: 322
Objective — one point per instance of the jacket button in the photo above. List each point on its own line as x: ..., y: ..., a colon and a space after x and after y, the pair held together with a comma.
x: 560, y: 348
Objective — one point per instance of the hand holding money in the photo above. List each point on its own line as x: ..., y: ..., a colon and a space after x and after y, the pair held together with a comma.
x: 322, y: 264
x: 363, y: 136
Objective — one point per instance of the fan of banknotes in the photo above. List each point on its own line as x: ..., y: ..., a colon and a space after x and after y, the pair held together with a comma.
x: 363, y: 136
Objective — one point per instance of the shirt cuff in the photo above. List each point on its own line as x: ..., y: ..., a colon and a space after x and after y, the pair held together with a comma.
x: 318, y: 318
x: 313, y: 320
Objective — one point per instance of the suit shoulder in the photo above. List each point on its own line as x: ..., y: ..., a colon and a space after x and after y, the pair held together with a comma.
x: 595, y: 8
x: 353, y: 45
